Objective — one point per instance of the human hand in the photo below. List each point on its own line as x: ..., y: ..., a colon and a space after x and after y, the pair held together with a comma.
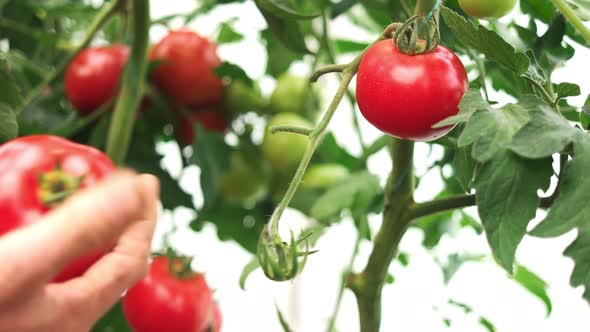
x: 121, y: 213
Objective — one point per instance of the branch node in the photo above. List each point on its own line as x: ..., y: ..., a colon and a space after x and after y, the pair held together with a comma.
x: 325, y: 70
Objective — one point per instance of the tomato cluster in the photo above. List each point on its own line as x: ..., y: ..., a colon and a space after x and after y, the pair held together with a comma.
x: 41, y: 171
x: 172, y: 291
x: 185, y: 64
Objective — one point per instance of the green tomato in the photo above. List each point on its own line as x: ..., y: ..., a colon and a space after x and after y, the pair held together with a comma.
x: 322, y: 176
x: 245, y: 183
x: 285, y: 150
x: 239, y: 98
x: 293, y: 94
x: 487, y: 9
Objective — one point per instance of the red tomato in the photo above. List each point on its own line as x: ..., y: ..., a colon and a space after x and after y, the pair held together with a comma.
x: 217, y: 320
x: 404, y: 95
x: 163, y: 302
x: 92, y: 78
x: 186, y: 73
x: 31, y: 168
x: 210, y: 120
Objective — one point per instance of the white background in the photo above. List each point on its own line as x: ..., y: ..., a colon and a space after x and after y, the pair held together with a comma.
x: 418, y: 299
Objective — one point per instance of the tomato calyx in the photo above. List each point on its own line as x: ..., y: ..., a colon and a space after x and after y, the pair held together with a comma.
x: 418, y: 35
x: 56, y: 185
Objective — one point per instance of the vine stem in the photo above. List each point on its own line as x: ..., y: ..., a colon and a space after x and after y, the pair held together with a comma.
x: 574, y: 20
x: 133, y: 82
x: 315, y: 138
x: 105, y: 14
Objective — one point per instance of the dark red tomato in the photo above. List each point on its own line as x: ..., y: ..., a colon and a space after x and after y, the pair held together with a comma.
x: 92, y: 78
x: 186, y: 73
x: 33, y: 170
x: 210, y: 120
x: 163, y: 302
x: 404, y: 95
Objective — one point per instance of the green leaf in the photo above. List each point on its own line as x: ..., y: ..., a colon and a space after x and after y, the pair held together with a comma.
x: 565, y: 90
x: 434, y: 227
x: 8, y: 124
x: 491, y: 131
x: 280, y: 57
x: 233, y: 71
x: 356, y: 193
x: 485, y: 41
x: 228, y: 35
x: 455, y: 262
x: 464, y: 167
x: 534, y: 284
x: 349, y: 46
x: 549, y: 131
x: 585, y: 114
x: 248, y: 269
x: 341, y: 7
x: 291, y: 9
x: 472, y: 102
x: 507, y: 200
x: 487, y: 324
x: 330, y: 152
x: 233, y: 223
x: 211, y: 154
x: 113, y: 321
x: 287, y: 32
x: 579, y: 251
x: 571, y: 208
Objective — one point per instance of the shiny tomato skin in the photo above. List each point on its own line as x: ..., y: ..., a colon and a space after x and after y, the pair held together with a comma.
x: 404, y: 95
x: 186, y: 72
x: 92, y: 78
x: 163, y: 302
x: 23, y: 160
x: 211, y: 120
x: 217, y: 319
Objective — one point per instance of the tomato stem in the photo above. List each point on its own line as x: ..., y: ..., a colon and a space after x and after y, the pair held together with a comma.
x: 105, y: 14
x: 133, y: 82
x: 574, y: 20
x: 290, y: 129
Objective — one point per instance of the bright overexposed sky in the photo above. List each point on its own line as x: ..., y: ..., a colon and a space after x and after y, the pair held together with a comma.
x: 418, y: 299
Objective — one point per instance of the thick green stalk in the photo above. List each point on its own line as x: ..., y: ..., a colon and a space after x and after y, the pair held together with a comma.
x: 133, y: 83
x: 368, y: 285
x: 105, y: 14
x: 574, y: 20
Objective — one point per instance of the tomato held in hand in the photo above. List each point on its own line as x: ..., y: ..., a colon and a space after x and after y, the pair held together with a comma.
x: 404, y: 95
x: 163, y: 301
x: 487, y: 8
x: 92, y: 78
x: 37, y: 173
x: 210, y: 120
x: 186, y: 73
x: 285, y: 150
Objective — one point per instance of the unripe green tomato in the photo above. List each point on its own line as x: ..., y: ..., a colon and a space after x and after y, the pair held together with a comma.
x: 285, y: 150
x: 293, y: 94
x: 487, y: 9
x: 245, y: 183
x: 322, y: 176
x: 239, y: 98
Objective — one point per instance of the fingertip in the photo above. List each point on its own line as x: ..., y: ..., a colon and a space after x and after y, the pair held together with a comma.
x: 151, y: 184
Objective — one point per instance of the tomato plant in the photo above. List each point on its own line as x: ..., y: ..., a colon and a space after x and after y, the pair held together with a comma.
x: 187, y: 62
x: 170, y: 300
x: 406, y: 95
x: 92, y: 78
x: 487, y: 8
x: 41, y: 171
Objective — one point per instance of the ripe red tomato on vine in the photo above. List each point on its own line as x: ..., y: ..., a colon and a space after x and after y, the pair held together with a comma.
x: 41, y: 171
x: 92, y: 78
x: 186, y: 72
x: 166, y: 300
x: 405, y: 95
